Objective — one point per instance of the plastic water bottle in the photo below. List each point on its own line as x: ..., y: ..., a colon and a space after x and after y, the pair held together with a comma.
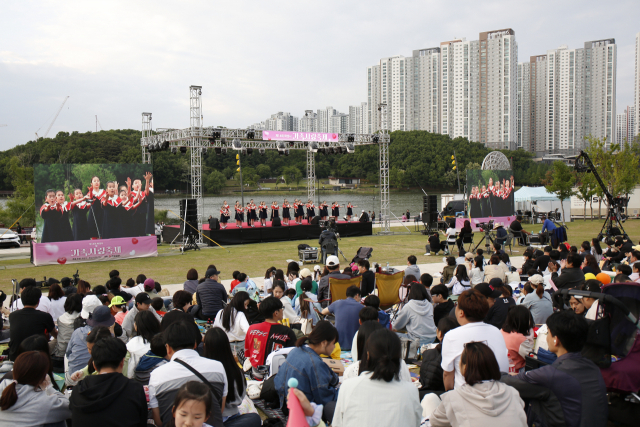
x: 387, y: 265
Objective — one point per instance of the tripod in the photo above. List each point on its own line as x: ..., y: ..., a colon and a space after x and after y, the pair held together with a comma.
x: 487, y: 239
x: 190, y: 243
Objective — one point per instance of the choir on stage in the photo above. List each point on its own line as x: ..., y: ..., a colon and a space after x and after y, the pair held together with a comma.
x: 118, y: 211
x: 492, y: 200
x: 298, y: 211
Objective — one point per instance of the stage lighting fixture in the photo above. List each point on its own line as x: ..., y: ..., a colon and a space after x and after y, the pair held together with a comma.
x: 251, y: 134
x: 249, y: 151
x: 174, y: 150
x: 223, y: 140
x: 224, y: 150
x: 218, y: 150
x: 326, y: 143
x: 216, y: 134
x: 350, y: 148
x: 262, y: 151
x: 183, y: 150
x: 291, y: 143
x: 244, y: 151
x: 306, y: 143
x: 313, y: 147
x: 199, y: 91
x: 281, y: 146
x: 286, y: 152
x: 236, y: 144
x: 351, y: 138
x: 332, y: 150
x: 212, y: 141
x: 375, y: 138
x: 281, y: 152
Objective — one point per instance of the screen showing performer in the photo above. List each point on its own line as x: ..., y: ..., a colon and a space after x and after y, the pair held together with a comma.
x: 85, y: 202
x: 490, y: 193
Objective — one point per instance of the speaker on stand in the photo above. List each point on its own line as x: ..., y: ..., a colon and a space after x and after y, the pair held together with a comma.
x: 430, y: 213
x: 189, y: 226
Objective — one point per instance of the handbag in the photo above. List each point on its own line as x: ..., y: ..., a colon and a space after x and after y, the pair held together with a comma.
x: 409, y: 348
x: 306, y: 326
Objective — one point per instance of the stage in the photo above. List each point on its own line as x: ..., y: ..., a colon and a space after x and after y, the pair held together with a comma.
x: 233, y: 235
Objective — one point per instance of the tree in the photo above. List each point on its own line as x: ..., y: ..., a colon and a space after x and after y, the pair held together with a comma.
x: 291, y: 174
x: 562, y: 184
x: 23, y: 197
x: 214, y: 182
x: 585, y: 192
x: 263, y: 170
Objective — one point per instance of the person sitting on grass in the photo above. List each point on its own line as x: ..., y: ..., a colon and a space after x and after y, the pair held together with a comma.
x: 449, y: 270
x: 346, y: 312
x: 365, y: 315
x: 154, y: 358
x: 440, y: 295
x: 383, y: 317
x: 517, y: 332
x: 430, y: 371
x: 417, y: 317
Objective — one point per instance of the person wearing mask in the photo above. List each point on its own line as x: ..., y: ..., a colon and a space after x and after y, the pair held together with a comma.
x: 431, y: 373
x: 368, y: 282
x: 346, y: 312
x: 494, y: 270
x: 72, y: 306
x: 471, y: 309
x: 211, y: 295
x: 29, y: 321
x: 365, y: 400
x: 460, y: 281
x: 538, y: 302
x: 517, y: 332
x: 417, y: 316
x: 233, y: 321
x: 476, y: 274
x: 499, y: 302
x: 108, y: 399
x: 571, y: 275
x: 440, y: 295
x: 29, y: 399
x: 192, y: 281
x: 217, y: 347
x: 324, y: 293
x: 146, y: 326
x: 482, y: 401
x: 315, y: 378
x: 268, y: 336
x: 571, y: 390
x: 142, y: 303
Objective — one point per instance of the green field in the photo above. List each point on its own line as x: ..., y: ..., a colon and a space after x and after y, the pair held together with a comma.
x: 254, y: 259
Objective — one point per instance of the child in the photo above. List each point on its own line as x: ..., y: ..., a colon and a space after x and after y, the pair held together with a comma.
x: 94, y: 220
x: 286, y: 216
x: 350, y: 211
x: 110, y: 220
x: 274, y: 210
x: 64, y: 230
x: 239, y: 214
x: 50, y: 215
x: 158, y: 305
x: 154, y: 358
x: 192, y: 406
x: 383, y: 317
x: 460, y: 281
x: 78, y: 208
x: 263, y: 214
x: 125, y: 212
x: 517, y: 332
x: 430, y: 371
x: 139, y: 214
x: 224, y: 214
x: 118, y: 308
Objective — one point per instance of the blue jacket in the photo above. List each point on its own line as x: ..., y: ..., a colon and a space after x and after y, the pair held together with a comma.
x: 315, y: 379
x: 385, y: 319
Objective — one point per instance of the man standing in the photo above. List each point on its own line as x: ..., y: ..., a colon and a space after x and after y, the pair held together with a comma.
x: 347, y: 313
x: 328, y: 238
x: 29, y: 321
x: 324, y: 293
x: 210, y: 295
x: 19, y: 231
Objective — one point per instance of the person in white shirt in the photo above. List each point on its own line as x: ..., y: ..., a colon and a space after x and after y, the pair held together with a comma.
x: 471, y: 310
x: 146, y: 326
x: 476, y: 275
x: 56, y: 301
x: 44, y: 304
x: 460, y: 281
x: 268, y: 280
x: 233, y: 321
x: 289, y: 312
x: 377, y: 396
x: 451, y: 238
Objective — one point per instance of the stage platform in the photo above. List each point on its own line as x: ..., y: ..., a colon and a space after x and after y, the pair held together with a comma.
x: 233, y: 235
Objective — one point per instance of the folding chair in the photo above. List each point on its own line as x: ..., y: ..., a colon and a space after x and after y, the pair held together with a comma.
x: 388, y: 286
x: 508, y: 242
x: 338, y: 287
x: 467, y: 238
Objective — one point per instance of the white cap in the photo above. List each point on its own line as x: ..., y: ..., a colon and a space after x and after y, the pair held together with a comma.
x: 317, y: 268
x: 305, y: 272
x: 89, y: 303
x: 332, y: 261
x: 536, y: 279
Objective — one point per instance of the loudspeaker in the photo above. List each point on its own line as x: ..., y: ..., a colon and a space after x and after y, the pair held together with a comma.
x: 276, y: 222
x: 214, y: 224
x: 430, y: 209
x: 189, y: 212
x: 315, y: 220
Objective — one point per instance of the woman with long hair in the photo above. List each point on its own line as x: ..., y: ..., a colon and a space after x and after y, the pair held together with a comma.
x: 476, y: 275
x: 216, y: 347
x: 469, y: 404
x: 460, y: 281
x: 465, y: 231
x: 538, y: 302
x: 279, y: 290
x: 37, y: 343
x: 590, y: 265
x: 268, y: 279
x: 30, y: 399
x: 57, y: 298
x: 417, y: 316
x: 306, y: 301
x: 233, y: 322
x: 378, y: 396
x: 517, y: 332
x: 83, y: 287
x: 315, y: 378
x: 596, y: 250
x: 146, y: 326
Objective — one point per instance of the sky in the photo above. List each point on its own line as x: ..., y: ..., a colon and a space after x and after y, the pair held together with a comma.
x: 117, y: 59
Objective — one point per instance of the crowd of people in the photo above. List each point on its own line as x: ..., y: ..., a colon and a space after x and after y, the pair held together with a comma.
x: 132, y: 354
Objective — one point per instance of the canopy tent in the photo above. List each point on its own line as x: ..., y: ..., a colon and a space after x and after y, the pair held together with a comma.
x: 544, y: 201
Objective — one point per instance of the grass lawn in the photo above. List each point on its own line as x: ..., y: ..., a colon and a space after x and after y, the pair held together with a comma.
x: 254, y: 259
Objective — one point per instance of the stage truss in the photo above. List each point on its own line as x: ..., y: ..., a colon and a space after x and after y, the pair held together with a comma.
x: 199, y: 139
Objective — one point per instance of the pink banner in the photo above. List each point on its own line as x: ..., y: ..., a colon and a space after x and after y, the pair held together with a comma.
x: 94, y: 250
x: 502, y: 220
x: 276, y: 135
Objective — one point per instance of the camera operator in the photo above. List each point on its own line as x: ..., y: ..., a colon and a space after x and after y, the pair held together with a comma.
x: 328, y: 237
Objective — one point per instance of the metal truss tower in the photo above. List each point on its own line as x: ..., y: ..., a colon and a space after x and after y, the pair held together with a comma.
x: 311, y: 176
x: 195, y: 144
x: 384, y: 172
x: 146, y: 133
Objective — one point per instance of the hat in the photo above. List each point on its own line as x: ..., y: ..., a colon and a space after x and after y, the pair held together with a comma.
x: 362, y: 210
x: 497, y: 225
x: 332, y: 261
x: 211, y: 272
x: 149, y: 284
x: 101, y: 316
x: 536, y: 279
x: 316, y: 268
x: 590, y: 276
x: 636, y: 248
x: 487, y: 290
x: 468, y: 255
x: 117, y: 300
x: 305, y: 272
x: 143, y: 298
x: 89, y: 303
x: 603, y: 278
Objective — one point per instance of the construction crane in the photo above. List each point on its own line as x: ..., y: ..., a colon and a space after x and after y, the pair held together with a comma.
x: 52, y: 122
x: 98, y: 124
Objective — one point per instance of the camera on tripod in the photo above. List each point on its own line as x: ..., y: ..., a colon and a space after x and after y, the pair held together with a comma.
x: 486, y: 226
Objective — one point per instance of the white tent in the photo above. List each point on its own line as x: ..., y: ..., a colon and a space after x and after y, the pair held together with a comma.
x: 539, y: 199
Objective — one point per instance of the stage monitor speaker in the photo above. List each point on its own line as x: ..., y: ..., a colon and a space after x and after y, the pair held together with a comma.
x: 214, y: 224
x: 430, y: 209
x: 315, y: 220
x: 276, y: 222
x: 189, y: 213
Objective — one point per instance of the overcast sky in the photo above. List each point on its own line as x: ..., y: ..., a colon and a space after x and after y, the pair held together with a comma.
x: 117, y: 59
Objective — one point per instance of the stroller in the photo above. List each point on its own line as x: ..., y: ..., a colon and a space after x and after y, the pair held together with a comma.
x: 614, y: 345
x: 363, y: 253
